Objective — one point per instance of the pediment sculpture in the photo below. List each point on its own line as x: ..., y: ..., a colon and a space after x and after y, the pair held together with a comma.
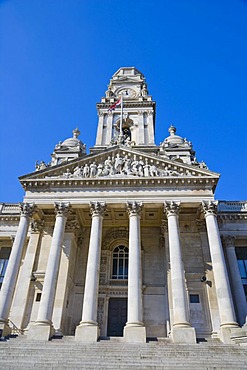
x: 118, y: 166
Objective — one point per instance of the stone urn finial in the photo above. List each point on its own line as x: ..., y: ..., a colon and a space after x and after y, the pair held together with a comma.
x: 76, y: 133
x: 172, y: 130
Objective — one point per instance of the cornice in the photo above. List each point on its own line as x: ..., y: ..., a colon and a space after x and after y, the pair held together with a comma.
x: 169, y: 181
x: 232, y: 216
x: 129, y: 104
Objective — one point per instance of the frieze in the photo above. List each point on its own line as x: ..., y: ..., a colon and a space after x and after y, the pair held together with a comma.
x: 113, y: 293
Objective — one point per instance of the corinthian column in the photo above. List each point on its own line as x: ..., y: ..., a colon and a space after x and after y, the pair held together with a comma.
x: 223, y: 291
x: 237, y: 286
x: 43, y: 328
x: 181, y: 331
x: 9, y: 282
x: 134, y: 330
x: 88, y: 330
x: 23, y: 284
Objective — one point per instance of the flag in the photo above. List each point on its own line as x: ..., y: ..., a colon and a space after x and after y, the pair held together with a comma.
x: 113, y: 106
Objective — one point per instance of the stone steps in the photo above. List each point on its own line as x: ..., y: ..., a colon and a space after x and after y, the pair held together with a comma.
x: 65, y: 353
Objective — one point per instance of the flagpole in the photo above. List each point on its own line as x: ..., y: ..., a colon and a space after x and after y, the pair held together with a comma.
x: 121, y: 117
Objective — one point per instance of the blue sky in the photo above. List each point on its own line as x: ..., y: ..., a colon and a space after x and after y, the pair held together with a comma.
x: 57, y: 56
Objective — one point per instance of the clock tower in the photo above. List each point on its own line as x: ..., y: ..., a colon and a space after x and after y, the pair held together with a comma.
x: 138, y: 113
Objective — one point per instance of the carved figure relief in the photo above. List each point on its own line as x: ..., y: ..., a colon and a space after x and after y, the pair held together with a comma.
x: 123, y: 165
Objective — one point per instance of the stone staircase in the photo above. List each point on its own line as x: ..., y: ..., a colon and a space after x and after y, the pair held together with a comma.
x: 65, y: 353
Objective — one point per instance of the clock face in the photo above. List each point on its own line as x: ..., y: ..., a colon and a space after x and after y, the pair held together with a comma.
x: 127, y: 93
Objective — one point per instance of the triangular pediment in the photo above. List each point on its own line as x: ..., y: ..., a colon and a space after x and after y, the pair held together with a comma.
x: 122, y: 163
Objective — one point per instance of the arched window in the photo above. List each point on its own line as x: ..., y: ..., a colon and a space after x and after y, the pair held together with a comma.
x: 120, y: 262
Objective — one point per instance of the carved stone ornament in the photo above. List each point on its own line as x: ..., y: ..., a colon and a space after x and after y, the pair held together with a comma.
x: 62, y: 209
x: 134, y: 208
x: 228, y: 240
x: 97, y: 208
x: 201, y: 226
x: 37, y: 226
x: 27, y: 209
x: 164, y: 227
x: 209, y: 208
x: 115, y: 235
x: 171, y: 208
x: 72, y: 225
x: 116, y: 166
x: 100, y: 312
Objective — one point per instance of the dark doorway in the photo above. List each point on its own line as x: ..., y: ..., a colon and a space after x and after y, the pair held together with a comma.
x: 117, y: 317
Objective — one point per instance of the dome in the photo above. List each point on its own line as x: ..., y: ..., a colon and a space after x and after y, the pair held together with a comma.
x: 73, y: 141
x: 173, y: 139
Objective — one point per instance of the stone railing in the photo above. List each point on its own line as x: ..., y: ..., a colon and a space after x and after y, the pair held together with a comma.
x: 9, y: 208
x: 231, y: 206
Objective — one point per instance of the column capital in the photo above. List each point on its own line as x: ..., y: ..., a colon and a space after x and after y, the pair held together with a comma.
x: 37, y: 226
x: 27, y: 209
x: 62, y: 209
x: 134, y: 208
x: 97, y: 208
x: 209, y: 208
x: 171, y: 208
x: 228, y: 240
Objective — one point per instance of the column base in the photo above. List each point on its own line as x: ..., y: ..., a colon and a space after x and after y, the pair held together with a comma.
x: 5, y: 330
x: 87, y: 333
x: 183, y: 335
x: 230, y: 334
x: 135, y: 333
x: 41, y: 331
x: 239, y: 336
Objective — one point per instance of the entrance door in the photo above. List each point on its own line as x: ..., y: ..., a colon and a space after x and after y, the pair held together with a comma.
x: 117, y: 317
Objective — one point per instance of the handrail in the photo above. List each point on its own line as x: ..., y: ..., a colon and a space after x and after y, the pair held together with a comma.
x: 15, y: 329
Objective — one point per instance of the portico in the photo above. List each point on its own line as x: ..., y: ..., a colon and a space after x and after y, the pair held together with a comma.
x: 125, y: 240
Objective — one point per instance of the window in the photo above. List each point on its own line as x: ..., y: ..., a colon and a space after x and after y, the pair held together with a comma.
x: 4, y: 259
x: 120, y: 262
x: 241, y: 253
x: 194, y: 298
x: 38, y: 297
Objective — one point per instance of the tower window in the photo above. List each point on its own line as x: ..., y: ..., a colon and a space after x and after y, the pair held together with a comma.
x: 120, y: 262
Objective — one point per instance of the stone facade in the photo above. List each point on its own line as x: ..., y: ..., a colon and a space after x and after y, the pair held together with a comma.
x: 127, y: 240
